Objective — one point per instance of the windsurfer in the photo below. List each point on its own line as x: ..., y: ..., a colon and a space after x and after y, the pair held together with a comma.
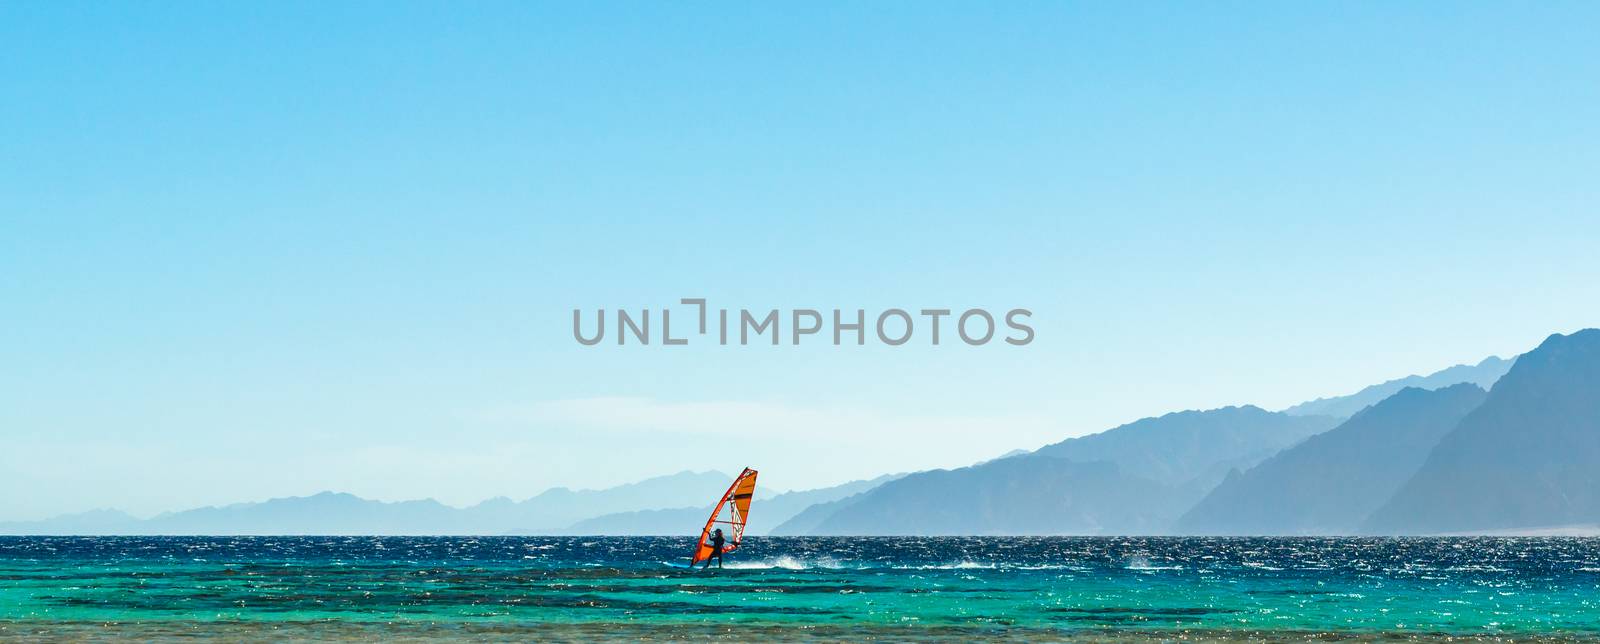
x: 716, y: 548
x: 733, y: 511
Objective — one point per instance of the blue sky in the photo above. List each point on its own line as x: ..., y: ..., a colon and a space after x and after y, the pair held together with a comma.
x: 256, y: 250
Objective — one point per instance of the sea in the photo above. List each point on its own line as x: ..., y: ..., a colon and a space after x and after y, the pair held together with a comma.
x: 1110, y: 589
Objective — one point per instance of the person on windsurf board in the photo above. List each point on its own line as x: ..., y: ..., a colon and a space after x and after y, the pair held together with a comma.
x: 732, y: 511
x: 716, y: 549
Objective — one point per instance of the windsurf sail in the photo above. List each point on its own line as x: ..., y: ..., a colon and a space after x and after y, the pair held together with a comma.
x: 730, y: 516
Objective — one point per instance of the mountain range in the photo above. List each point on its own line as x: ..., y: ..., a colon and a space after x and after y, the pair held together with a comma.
x: 1529, y: 456
x: 1135, y: 479
x: 1368, y: 462
x: 1484, y: 374
x: 1331, y: 482
x: 1418, y: 455
x: 555, y: 511
x: 764, y: 516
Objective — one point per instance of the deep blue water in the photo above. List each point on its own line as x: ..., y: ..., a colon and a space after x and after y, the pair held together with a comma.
x: 926, y: 588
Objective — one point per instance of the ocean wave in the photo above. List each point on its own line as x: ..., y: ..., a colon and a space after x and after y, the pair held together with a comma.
x: 786, y: 562
x: 959, y: 565
x: 1142, y: 563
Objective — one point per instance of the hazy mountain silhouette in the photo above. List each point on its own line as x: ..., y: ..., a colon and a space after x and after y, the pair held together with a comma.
x: 1329, y: 483
x: 1528, y: 457
x: 325, y: 513
x: 1136, y: 478
x: 1422, y: 454
x: 1192, y: 448
x: 330, y: 513
x: 809, y: 520
x: 765, y: 514
x: 102, y: 521
x: 1031, y: 494
x: 1484, y: 374
x: 557, y: 508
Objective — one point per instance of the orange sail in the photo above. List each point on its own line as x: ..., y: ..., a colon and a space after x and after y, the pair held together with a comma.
x: 736, y: 501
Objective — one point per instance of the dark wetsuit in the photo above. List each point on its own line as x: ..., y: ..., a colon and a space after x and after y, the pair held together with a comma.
x: 716, y: 550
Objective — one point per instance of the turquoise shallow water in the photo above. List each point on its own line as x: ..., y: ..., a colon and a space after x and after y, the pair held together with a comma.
x: 922, y: 588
